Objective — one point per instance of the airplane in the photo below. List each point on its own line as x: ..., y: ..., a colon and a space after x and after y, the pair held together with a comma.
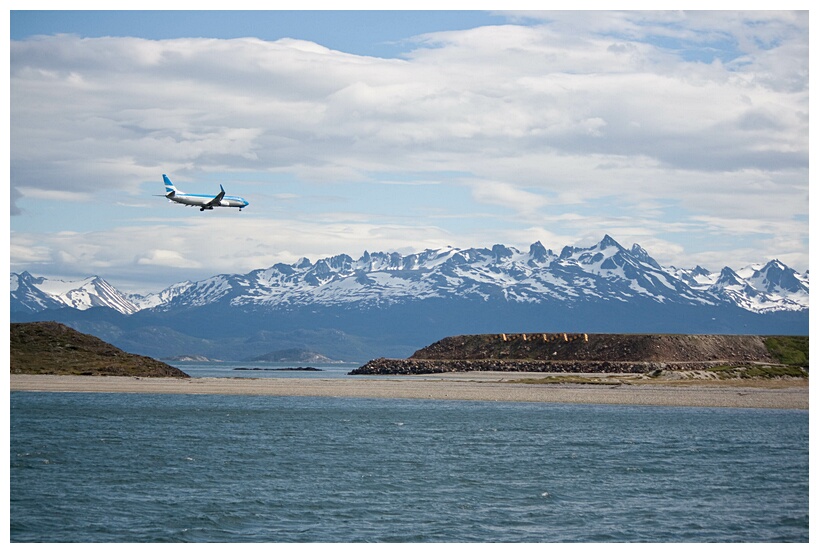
x: 203, y: 201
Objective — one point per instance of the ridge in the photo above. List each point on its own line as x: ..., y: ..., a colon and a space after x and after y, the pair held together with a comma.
x: 603, y: 273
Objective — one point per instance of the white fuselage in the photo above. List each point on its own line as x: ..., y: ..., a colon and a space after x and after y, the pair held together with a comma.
x: 201, y: 200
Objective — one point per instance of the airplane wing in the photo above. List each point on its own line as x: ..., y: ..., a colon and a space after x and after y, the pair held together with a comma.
x: 215, y: 201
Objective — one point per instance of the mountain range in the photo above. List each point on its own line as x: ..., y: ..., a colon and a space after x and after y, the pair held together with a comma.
x: 390, y: 304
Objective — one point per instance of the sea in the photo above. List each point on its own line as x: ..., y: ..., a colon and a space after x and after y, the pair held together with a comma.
x: 137, y: 468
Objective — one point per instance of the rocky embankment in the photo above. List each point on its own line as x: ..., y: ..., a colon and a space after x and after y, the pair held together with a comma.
x: 591, y: 353
x: 53, y: 348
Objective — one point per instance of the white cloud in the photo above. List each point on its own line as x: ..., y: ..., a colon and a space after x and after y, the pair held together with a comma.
x: 54, y: 195
x: 138, y: 104
x: 507, y: 195
x: 706, y: 111
x: 166, y: 258
x: 199, y: 247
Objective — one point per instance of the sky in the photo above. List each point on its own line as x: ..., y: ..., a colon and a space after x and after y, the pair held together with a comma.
x: 353, y: 131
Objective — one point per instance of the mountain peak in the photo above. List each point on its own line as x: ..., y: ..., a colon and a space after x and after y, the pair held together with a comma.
x: 605, y: 272
x: 501, y: 251
x: 774, y: 264
x: 640, y: 254
x: 728, y: 277
x: 775, y: 275
x: 37, y: 293
x: 538, y: 252
x: 609, y: 242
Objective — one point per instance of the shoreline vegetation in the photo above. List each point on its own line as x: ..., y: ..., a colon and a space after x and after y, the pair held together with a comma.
x: 53, y: 348
x: 726, y: 355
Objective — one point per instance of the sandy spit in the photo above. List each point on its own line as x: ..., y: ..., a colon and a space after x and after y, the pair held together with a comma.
x: 484, y: 389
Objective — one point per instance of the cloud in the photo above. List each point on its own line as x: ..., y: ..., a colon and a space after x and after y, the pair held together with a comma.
x: 508, y: 196
x: 611, y: 117
x: 199, y: 247
x: 119, y: 108
x: 55, y: 195
x: 166, y: 258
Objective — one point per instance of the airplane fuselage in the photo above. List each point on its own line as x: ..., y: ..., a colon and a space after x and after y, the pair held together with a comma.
x: 202, y: 201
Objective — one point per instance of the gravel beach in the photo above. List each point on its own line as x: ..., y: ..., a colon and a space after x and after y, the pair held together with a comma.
x: 458, y: 386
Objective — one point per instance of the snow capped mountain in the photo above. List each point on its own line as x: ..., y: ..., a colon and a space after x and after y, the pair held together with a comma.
x: 33, y: 294
x: 774, y: 287
x: 27, y: 296
x: 605, y: 272
x: 160, y: 298
x: 756, y: 288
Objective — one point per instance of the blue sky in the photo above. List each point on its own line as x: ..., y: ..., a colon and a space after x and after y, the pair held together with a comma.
x: 367, y: 33
x: 685, y: 132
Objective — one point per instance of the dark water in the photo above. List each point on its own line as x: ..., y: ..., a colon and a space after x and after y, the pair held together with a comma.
x: 145, y: 468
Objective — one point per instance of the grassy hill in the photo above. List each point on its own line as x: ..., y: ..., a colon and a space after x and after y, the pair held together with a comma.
x: 757, y: 356
x: 613, y: 347
x: 53, y: 348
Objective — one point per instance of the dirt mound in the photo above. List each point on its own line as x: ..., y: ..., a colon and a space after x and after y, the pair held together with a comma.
x: 53, y: 348
x: 665, y: 348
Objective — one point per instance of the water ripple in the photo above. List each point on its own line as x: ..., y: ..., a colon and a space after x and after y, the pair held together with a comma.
x: 141, y: 468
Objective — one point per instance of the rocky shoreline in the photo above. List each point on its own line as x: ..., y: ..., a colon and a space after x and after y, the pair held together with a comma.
x: 595, y: 353
x: 383, y: 366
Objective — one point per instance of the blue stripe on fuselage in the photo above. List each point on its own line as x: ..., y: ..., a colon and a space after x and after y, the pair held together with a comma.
x: 207, y: 198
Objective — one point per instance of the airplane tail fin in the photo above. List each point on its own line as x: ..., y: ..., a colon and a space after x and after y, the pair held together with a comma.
x: 170, y: 189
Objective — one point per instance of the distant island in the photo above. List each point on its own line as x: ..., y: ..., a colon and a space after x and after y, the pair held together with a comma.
x: 191, y: 358
x: 53, y: 348
x: 294, y: 355
x: 732, y: 356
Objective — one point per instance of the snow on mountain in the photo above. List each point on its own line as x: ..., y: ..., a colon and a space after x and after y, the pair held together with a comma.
x: 758, y: 288
x: 774, y: 287
x: 698, y: 277
x: 33, y: 294
x: 26, y: 296
x: 605, y: 272
x: 156, y: 299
